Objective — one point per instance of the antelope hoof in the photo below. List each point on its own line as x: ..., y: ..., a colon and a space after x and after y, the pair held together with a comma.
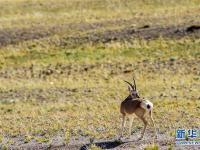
x: 120, y: 138
x: 129, y: 135
x: 139, y: 138
x: 156, y: 137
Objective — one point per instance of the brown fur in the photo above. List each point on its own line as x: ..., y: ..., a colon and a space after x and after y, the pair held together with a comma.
x: 131, y: 105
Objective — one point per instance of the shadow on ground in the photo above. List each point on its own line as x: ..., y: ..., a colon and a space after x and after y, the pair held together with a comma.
x: 104, y: 144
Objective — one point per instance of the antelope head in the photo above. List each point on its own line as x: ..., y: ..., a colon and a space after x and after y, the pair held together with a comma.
x: 133, y: 89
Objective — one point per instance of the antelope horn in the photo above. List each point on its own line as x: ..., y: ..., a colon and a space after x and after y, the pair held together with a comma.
x: 129, y: 84
x: 134, y: 83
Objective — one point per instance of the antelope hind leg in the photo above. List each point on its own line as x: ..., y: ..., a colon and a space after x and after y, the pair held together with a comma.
x: 152, y: 121
x: 144, y: 129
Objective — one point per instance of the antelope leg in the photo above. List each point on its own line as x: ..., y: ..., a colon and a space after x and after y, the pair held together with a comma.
x: 152, y: 121
x: 130, y: 125
x: 144, y: 129
x: 123, y: 125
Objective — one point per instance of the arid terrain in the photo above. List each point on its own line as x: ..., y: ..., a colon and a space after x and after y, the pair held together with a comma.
x: 62, y: 66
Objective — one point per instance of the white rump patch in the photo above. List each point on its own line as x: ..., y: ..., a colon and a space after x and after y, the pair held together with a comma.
x: 147, y: 105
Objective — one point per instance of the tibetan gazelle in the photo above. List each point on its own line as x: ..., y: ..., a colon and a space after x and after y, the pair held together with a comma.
x: 133, y: 104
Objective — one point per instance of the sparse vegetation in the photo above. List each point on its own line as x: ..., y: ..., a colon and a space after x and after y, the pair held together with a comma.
x: 151, y: 147
x: 51, y: 86
x: 93, y: 147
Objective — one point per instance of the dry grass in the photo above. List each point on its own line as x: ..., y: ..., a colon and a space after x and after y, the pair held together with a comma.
x: 85, y: 102
x: 23, y: 13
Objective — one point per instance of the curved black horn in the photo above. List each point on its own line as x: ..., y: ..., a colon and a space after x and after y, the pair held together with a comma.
x: 129, y: 84
x: 134, y: 83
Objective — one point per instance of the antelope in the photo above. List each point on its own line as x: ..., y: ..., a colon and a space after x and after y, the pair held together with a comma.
x: 133, y: 104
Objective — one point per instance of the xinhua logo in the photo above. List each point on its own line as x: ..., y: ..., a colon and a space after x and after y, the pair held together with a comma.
x: 187, y: 137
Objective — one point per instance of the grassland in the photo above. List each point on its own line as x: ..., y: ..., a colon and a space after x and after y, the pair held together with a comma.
x: 54, y: 91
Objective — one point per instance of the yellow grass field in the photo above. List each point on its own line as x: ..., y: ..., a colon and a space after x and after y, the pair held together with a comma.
x: 62, y: 66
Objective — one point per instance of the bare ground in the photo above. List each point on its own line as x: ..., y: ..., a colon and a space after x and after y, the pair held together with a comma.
x: 130, y: 33
x: 41, y: 72
x: 83, y: 143
x: 129, y: 29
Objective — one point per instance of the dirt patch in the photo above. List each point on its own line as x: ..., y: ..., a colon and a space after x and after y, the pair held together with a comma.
x: 15, y: 36
x: 130, y: 33
x: 83, y: 143
x: 42, y: 72
x: 19, y: 35
x: 130, y: 29
x: 42, y: 95
x: 38, y: 73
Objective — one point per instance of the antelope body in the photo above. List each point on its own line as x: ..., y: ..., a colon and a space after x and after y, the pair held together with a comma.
x: 133, y: 104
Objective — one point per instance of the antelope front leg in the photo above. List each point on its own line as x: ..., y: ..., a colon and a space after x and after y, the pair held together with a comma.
x: 152, y: 121
x: 123, y: 125
x: 130, y: 124
x: 145, y: 126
